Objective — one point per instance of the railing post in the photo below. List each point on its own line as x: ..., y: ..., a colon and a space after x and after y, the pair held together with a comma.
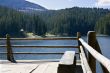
x: 92, y: 42
x: 79, y: 36
x: 10, y: 56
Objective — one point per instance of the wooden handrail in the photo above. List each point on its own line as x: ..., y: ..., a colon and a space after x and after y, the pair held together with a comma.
x: 34, y: 46
x: 102, y: 59
x: 84, y: 61
x: 51, y: 38
x: 36, y: 53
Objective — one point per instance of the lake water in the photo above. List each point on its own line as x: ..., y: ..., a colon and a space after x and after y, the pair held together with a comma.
x: 103, y: 41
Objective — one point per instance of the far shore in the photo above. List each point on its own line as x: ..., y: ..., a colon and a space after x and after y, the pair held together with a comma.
x: 31, y: 35
x: 102, y: 35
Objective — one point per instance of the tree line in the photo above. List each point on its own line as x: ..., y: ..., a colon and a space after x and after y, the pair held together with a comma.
x: 71, y: 20
x: 103, y: 25
x: 64, y: 22
x: 12, y: 22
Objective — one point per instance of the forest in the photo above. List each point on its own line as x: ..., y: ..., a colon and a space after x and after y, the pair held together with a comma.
x: 64, y: 22
x: 12, y: 22
x: 103, y: 25
x: 72, y: 20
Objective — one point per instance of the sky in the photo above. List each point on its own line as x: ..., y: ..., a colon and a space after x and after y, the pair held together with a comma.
x: 62, y: 4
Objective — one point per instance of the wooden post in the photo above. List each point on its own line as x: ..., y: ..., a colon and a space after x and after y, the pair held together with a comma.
x: 79, y: 36
x: 79, y: 43
x: 92, y: 42
x: 9, y: 50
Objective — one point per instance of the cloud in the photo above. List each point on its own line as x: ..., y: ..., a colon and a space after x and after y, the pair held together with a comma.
x: 103, y: 3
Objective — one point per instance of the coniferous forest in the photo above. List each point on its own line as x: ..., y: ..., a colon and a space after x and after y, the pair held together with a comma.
x: 59, y: 22
x: 103, y: 25
x: 12, y: 22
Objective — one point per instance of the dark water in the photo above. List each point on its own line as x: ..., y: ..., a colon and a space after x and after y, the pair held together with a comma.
x: 103, y: 41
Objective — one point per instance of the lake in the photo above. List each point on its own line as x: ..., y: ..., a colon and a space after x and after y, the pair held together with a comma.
x: 104, y: 43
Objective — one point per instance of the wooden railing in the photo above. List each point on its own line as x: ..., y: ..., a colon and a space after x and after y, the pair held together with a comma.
x: 89, y: 52
x: 94, y: 53
x: 10, y: 52
x: 85, y: 64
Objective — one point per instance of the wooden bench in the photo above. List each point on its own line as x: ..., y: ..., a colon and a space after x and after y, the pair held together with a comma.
x: 67, y: 63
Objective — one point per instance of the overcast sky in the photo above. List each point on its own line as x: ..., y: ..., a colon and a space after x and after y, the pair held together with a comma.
x: 61, y: 4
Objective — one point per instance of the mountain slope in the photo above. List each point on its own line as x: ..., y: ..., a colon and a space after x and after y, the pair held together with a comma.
x: 72, y: 20
x: 21, y: 5
x: 18, y: 23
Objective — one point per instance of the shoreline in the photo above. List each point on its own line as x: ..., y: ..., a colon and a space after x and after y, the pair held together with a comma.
x: 32, y: 35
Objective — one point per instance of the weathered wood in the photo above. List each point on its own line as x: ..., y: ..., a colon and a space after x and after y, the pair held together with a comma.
x: 29, y: 66
x: 84, y: 62
x: 58, y: 38
x: 10, y: 56
x: 91, y: 41
x: 52, y: 68
x: 36, y: 53
x: 41, y: 68
x: 79, y: 36
x: 19, y: 68
x: 67, y: 63
x: 30, y: 46
x: 68, y: 58
x: 102, y: 59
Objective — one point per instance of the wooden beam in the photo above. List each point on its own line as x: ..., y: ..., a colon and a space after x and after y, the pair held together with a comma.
x: 36, y: 53
x: 30, y: 46
x: 51, y: 38
x: 67, y: 63
x: 84, y: 61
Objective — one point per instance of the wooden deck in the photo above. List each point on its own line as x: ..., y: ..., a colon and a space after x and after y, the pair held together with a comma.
x: 87, y: 59
x: 32, y: 67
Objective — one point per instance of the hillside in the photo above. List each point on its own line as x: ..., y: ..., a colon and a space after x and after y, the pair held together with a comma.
x: 72, y: 20
x: 65, y: 22
x: 103, y: 25
x: 22, y: 5
x: 17, y: 24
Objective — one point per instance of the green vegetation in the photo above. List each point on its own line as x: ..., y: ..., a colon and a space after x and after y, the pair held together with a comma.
x: 72, y: 20
x: 11, y: 22
x: 103, y: 25
x: 57, y: 22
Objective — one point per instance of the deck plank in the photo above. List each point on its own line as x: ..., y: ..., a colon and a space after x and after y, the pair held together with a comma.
x: 30, y: 66
x: 41, y: 68
x: 55, y: 67
x: 52, y: 68
x: 18, y: 68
